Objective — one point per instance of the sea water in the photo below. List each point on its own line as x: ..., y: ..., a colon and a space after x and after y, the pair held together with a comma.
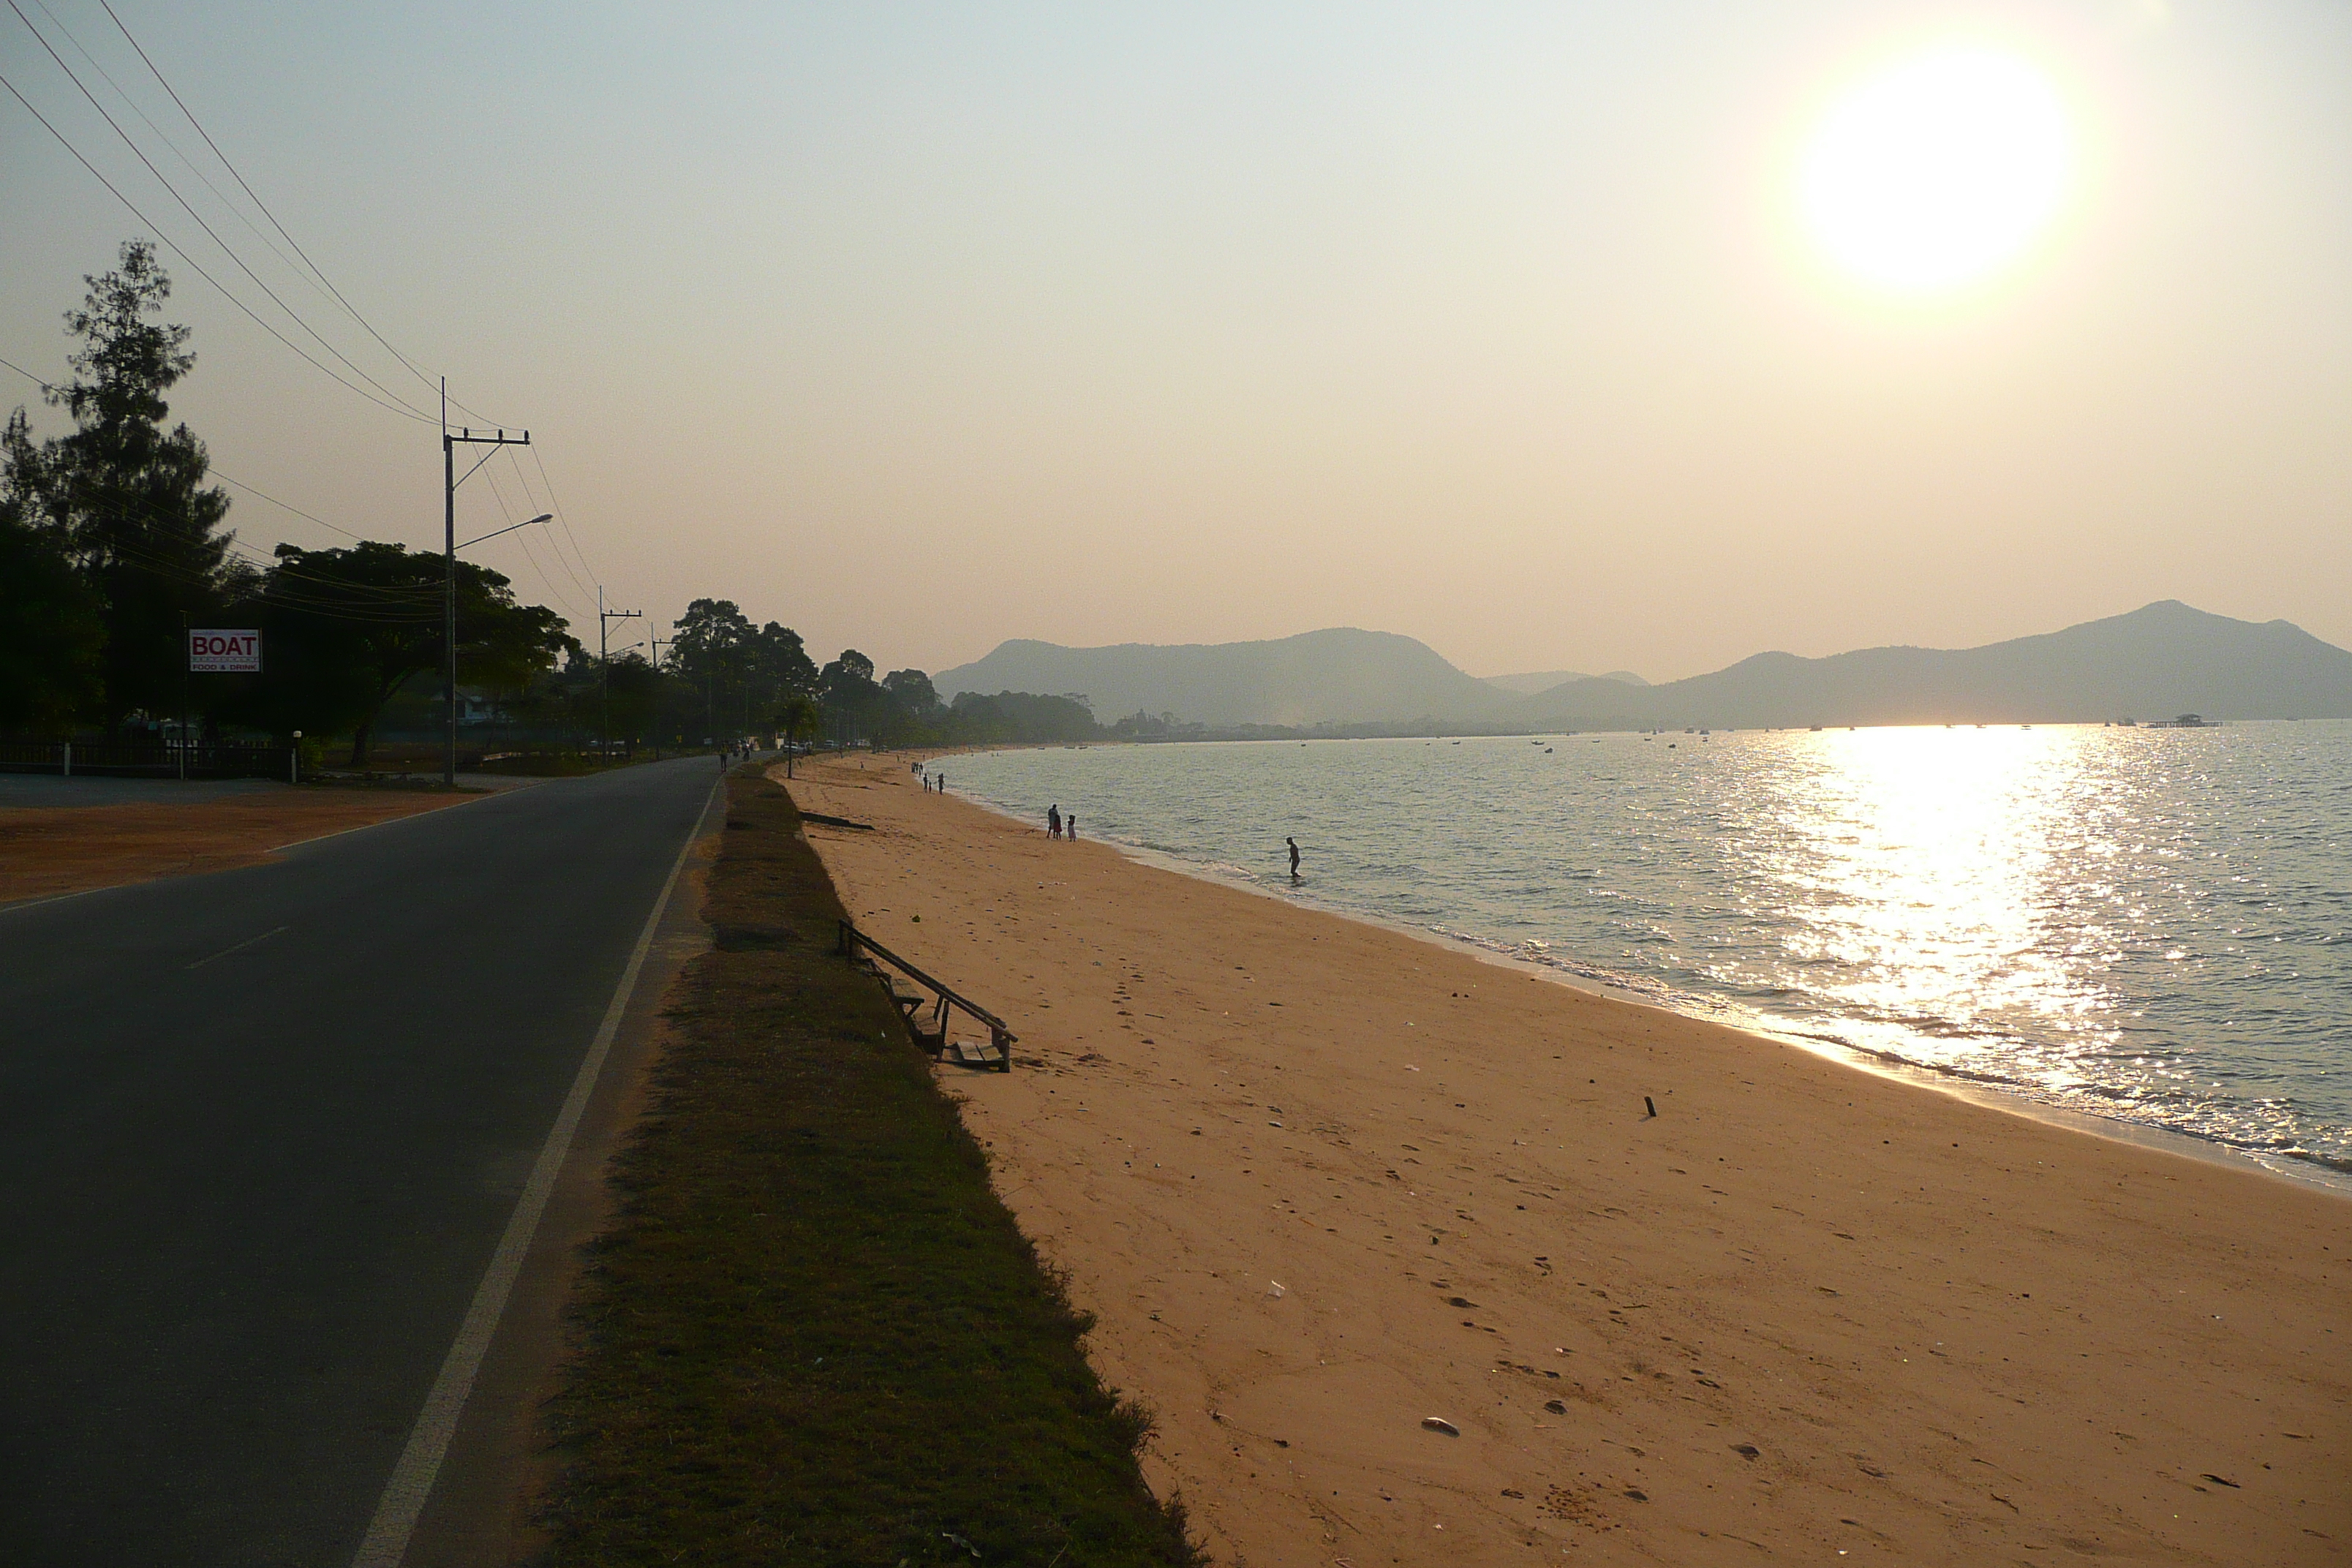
x: 2153, y: 926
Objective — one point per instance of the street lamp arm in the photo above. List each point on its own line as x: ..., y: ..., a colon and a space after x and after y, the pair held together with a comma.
x: 542, y: 516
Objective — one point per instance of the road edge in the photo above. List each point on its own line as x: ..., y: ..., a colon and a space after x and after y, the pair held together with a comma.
x: 407, y: 1492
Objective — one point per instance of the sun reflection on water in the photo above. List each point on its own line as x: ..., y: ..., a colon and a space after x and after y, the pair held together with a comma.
x: 1943, y: 887
x: 2148, y: 924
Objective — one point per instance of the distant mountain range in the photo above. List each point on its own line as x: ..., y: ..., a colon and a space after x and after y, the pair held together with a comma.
x: 1536, y: 680
x: 1339, y: 675
x: 2154, y: 663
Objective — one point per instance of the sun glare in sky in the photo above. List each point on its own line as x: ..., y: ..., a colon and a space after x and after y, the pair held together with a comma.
x: 1937, y: 170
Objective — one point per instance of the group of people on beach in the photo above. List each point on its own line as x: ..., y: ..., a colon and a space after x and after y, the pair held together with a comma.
x: 1059, y: 823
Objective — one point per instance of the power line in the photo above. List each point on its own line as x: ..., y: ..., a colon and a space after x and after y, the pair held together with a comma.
x: 490, y: 476
x: 273, y: 501
x: 178, y: 251
x: 177, y: 150
x: 28, y: 375
x: 156, y: 564
x: 553, y: 590
x: 249, y: 556
x: 554, y: 545
x: 227, y: 249
x: 557, y: 508
x: 570, y: 537
x: 215, y: 472
x: 315, y: 277
x: 354, y: 310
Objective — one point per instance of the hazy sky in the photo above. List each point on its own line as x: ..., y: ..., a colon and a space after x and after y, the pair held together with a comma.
x: 918, y: 328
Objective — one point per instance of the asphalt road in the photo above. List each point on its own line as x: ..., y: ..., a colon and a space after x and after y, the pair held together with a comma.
x: 259, y: 1133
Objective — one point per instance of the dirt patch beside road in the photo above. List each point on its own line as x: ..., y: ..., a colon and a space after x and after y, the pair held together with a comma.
x: 49, y: 850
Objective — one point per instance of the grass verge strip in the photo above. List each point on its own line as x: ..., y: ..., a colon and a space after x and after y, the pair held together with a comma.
x: 813, y: 1334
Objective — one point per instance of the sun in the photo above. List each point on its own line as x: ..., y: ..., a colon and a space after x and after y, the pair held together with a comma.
x: 1939, y: 170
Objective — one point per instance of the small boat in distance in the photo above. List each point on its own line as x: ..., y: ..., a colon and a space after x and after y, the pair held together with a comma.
x: 2184, y: 722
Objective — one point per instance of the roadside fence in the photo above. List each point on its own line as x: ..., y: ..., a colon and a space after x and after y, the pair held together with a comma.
x: 195, y: 759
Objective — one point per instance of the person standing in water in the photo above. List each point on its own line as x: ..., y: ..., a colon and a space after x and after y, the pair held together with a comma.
x: 1293, y: 857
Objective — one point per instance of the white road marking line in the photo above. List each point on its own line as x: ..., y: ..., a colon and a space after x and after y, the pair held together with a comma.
x: 61, y: 898
x: 241, y: 947
x: 385, y: 822
x: 396, y: 1512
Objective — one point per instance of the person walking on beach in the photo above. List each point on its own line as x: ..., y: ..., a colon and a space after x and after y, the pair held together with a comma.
x: 1293, y: 857
x: 1053, y: 822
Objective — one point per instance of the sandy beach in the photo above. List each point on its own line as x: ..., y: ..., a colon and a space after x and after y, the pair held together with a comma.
x: 1322, y: 1182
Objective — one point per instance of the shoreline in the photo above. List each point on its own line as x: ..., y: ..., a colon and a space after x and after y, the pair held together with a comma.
x: 1318, y: 1180
x: 2000, y: 1095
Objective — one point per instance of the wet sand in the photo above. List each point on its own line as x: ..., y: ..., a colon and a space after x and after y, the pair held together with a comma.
x: 1320, y: 1181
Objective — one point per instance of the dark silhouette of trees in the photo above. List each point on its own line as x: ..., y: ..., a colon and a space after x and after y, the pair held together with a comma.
x: 711, y: 637
x: 128, y: 495
x: 780, y: 663
x: 1020, y: 716
x: 911, y: 689
x: 111, y: 541
x: 345, y: 629
x: 52, y: 630
x: 742, y: 672
x: 639, y: 692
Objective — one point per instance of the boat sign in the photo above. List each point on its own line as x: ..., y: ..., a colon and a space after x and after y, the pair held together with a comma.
x: 224, y: 652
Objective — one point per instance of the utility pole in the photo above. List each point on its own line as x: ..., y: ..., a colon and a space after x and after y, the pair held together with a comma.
x: 604, y: 618
x: 657, y: 643
x: 449, y: 483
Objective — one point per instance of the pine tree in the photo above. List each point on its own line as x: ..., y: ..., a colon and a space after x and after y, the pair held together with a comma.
x: 145, y: 528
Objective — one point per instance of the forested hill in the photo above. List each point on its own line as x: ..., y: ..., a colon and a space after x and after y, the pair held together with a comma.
x: 2161, y: 661
x: 1339, y: 676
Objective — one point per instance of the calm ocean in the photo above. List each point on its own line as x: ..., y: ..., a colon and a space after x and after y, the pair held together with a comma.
x: 2148, y: 925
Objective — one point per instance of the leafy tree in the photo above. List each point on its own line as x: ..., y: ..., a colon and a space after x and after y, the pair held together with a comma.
x: 911, y: 689
x: 738, y: 671
x: 52, y: 631
x: 347, y: 628
x: 1021, y: 716
x: 711, y: 639
x: 852, y: 699
x: 638, y: 693
x: 130, y: 494
x: 779, y: 661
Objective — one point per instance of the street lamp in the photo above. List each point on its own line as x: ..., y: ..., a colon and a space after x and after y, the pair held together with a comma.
x: 527, y: 523
x: 449, y: 483
x: 449, y: 759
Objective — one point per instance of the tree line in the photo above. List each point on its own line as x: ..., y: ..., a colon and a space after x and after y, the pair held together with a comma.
x: 113, y: 543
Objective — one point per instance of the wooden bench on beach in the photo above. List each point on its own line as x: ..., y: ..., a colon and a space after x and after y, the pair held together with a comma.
x: 926, y: 1015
